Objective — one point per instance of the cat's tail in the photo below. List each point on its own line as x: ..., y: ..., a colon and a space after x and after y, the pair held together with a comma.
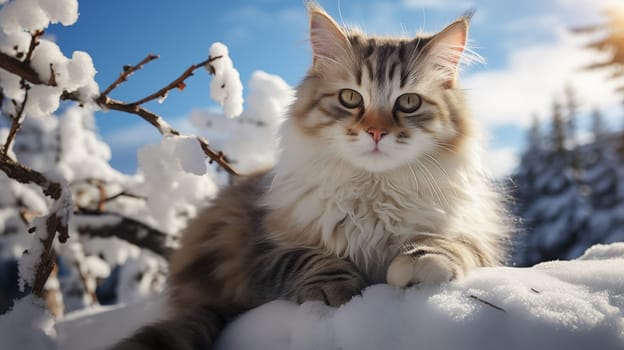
x: 197, y: 329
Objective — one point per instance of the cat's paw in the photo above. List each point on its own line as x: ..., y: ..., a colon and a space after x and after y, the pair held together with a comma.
x: 428, y: 269
x: 333, y: 293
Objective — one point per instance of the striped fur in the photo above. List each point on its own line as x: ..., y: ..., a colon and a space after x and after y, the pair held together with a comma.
x: 343, y: 208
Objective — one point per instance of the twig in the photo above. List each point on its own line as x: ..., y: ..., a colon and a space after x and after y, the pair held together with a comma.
x: 34, y: 42
x: 47, y: 257
x: 25, y: 71
x: 157, y: 121
x: 27, y: 214
x: 127, y: 71
x: 16, y: 122
x: 164, y: 128
x: 102, y: 195
x: 176, y: 83
x: 25, y: 175
x: 123, y: 194
x: 125, y: 228
x: 52, y: 81
x: 487, y: 303
x: 218, y: 157
x: 54, y: 297
x: 22, y: 69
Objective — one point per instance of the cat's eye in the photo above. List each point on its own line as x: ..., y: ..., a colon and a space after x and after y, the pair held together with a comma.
x: 350, y: 98
x: 408, y: 103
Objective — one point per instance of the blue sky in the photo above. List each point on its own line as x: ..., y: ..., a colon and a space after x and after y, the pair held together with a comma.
x: 530, y: 55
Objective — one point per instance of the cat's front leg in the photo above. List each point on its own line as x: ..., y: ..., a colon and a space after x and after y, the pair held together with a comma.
x: 304, y: 274
x: 432, y: 260
x: 421, y: 267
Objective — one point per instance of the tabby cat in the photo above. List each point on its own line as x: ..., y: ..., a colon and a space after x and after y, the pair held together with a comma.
x: 378, y: 181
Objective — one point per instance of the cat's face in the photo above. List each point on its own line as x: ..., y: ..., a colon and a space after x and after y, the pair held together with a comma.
x: 382, y: 103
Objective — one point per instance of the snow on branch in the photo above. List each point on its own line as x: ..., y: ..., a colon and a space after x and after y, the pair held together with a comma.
x: 38, y: 262
x: 16, y: 120
x: 108, y: 224
x: 25, y: 71
x: 179, y: 82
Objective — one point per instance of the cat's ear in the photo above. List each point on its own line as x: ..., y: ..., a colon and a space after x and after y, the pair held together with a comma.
x: 448, y: 47
x: 329, y: 43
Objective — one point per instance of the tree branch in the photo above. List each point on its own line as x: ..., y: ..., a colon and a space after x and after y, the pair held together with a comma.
x: 176, y: 83
x: 54, y: 222
x: 25, y: 71
x: 19, y: 68
x: 26, y: 175
x: 16, y: 121
x: 99, y: 224
x: 34, y: 42
x: 48, y: 257
x: 127, y: 71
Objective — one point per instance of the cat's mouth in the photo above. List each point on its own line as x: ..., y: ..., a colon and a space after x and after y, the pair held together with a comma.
x: 375, y: 152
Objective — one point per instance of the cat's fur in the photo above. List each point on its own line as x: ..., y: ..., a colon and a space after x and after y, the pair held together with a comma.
x: 358, y: 196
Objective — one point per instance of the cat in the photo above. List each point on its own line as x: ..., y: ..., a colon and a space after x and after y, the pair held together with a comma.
x: 378, y: 181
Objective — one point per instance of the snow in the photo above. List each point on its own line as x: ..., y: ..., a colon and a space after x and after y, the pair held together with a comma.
x: 172, y: 190
x: 18, y: 18
x: 225, y: 87
x: 250, y: 141
x: 562, y: 304
x: 79, y: 329
x: 569, y: 305
x: 28, y: 326
x: 192, y: 158
x: 27, y: 266
x: 37, y: 14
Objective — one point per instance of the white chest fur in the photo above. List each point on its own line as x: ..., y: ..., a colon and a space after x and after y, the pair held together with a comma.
x: 357, y: 214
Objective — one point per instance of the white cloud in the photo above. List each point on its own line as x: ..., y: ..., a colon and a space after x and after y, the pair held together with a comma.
x: 501, y: 162
x: 533, y: 77
x: 438, y: 4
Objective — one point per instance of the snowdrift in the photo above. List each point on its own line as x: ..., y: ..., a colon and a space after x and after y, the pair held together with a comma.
x: 575, y: 304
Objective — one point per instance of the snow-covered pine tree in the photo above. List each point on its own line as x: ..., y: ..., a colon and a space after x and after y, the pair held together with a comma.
x: 602, y: 180
x: 550, y: 202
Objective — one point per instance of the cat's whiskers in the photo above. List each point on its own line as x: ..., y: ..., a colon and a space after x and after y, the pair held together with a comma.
x: 437, y: 164
x: 447, y: 147
x: 442, y: 199
x: 428, y: 181
x: 414, y: 178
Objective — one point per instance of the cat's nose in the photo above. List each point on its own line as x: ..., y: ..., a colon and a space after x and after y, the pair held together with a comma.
x: 377, y: 134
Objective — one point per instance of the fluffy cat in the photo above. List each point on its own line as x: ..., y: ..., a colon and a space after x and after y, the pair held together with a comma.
x: 378, y: 181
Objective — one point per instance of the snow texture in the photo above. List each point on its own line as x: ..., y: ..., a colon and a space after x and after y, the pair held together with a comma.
x: 18, y: 18
x: 225, y: 87
x: 31, y: 15
x: 555, y: 305
x: 171, y: 189
x: 27, y: 326
x: 249, y: 141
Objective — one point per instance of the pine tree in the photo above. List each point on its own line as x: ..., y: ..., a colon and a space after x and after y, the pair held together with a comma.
x: 598, y: 127
x: 572, y: 109
x: 558, y: 131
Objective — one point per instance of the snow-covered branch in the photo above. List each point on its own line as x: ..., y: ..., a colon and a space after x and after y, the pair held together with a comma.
x: 108, y: 224
x: 38, y: 261
x: 25, y: 175
x: 25, y: 71
x: 178, y: 83
x: 16, y: 120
